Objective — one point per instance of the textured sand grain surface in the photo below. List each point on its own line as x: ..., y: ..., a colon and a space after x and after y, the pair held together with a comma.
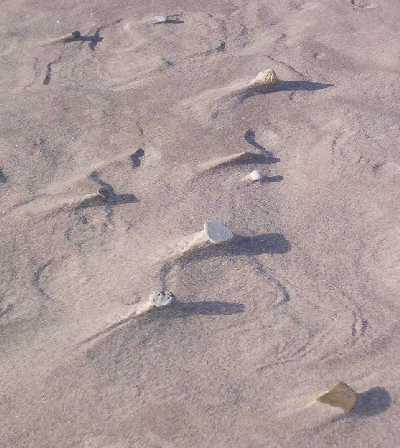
x: 306, y: 295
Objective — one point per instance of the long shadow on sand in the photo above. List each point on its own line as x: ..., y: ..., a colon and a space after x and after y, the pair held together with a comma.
x: 285, y: 86
x: 250, y: 137
x: 178, y: 310
x: 265, y: 243
x: 3, y: 177
x: 93, y: 39
x: 109, y: 200
x: 108, y: 197
x: 202, y: 308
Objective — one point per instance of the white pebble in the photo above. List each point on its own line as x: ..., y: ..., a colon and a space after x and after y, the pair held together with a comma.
x: 254, y: 176
x: 159, y: 299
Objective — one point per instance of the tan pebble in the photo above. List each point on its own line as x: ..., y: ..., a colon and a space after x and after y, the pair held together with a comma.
x: 266, y: 78
x: 341, y: 395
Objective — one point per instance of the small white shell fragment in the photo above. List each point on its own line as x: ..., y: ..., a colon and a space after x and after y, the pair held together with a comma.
x: 159, y: 299
x: 341, y: 395
x: 217, y: 232
x: 159, y: 19
x: 266, y: 78
x: 254, y: 176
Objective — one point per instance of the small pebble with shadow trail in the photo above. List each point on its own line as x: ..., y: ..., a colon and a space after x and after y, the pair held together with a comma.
x: 106, y: 196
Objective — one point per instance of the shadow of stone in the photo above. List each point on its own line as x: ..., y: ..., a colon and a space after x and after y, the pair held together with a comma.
x: 136, y: 157
x: 106, y: 195
x: 175, y: 311
x: 93, y: 40
x: 250, y: 138
x: 268, y: 243
x: 3, y: 177
x: 372, y: 402
x: 108, y: 200
x: 202, y: 308
x: 284, y: 86
x: 267, y: 179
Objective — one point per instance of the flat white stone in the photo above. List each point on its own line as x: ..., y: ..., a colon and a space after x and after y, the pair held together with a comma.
x: 217, y: 232
x: 254, y: 176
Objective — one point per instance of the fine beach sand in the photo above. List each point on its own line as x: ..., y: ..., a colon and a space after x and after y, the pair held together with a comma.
x: 305, y: 296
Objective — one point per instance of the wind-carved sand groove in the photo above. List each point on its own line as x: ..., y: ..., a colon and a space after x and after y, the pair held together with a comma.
x: 37, y: 278
x: 311, y: 342
x: 55, y: 200
x: 54, y: 204
x: 382, y: 259
x: 49, y: 68
x: 334, y: 145
x: 301, y: 344
x: 75, y: 37
x: 50, y: 203
x: 122, y: 71
x: 359, y: 325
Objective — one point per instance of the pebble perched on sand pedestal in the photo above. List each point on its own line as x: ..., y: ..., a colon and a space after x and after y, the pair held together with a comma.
x: 159, y: 19
x: 159, y: 299
x: 265, y: 78
x: 214, y: 232
x: 341, y: 395
x: 254, y: 176
x: 172, y: 18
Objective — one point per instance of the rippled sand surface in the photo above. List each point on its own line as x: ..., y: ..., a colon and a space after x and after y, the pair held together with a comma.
x: 305, y: 296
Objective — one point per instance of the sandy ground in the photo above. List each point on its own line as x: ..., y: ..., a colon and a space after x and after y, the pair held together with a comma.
x: 306, y: 296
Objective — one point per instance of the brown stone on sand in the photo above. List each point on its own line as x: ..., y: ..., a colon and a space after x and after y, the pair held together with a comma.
x: 341, y: 395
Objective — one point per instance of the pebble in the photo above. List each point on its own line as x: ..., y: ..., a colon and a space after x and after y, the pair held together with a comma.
x: 266, y: 78
x: 341, y: 395
x: 162, y: 298
x: 217, y: 232
x: 254, y: 176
